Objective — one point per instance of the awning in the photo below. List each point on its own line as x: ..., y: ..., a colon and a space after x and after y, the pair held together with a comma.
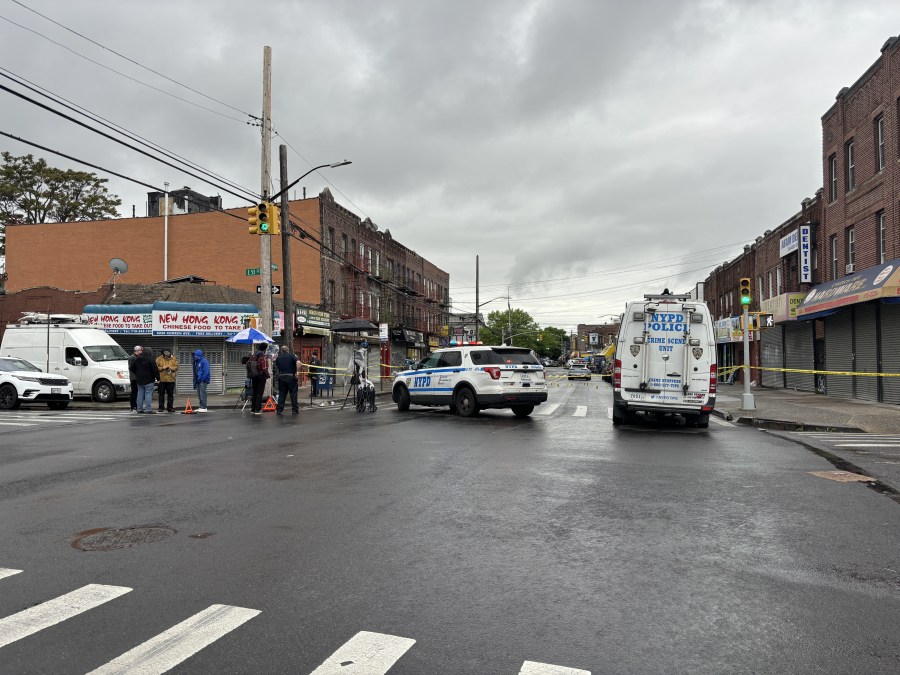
x: 609, y: 351
x: 880, y: 281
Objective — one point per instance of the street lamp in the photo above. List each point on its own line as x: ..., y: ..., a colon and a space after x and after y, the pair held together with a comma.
x: 286, y: 229
x: 482, y: 304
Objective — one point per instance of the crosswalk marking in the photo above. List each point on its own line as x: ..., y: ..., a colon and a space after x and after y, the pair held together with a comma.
x: 6, y: 572
x: 49, y: 613
x: 721, y: 423
x: 365, y: 654
x: 17, y: 424
x: 535, y: 668
x: 867, y: 445
x: 548, y: 410
x: 168, y: 649
x: 580, y: 411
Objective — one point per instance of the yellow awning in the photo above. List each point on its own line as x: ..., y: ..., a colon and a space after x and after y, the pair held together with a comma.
x: 609, y: 351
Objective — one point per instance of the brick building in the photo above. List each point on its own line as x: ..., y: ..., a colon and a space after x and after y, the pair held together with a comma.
x: 834, y: 297
x: 342, y: 267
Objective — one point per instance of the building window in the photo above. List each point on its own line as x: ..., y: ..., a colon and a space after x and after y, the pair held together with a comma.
x: 851, y: 246
x: 882, y: 236
x: 850, y: 162
x: 344, y: 246
x: 778, y: 286
x: 330, y: 296
x: 833, y: 244
x: 771, y: 285
x: 832, y: 167
x: 329, y: 241
x: 762, y: 289
x: 879, y: 142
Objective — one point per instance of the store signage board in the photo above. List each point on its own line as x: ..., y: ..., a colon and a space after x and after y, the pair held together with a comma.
x: 804, y: 266
x: 175, y: 322
x: 789, y: 243
x: 122, y: 323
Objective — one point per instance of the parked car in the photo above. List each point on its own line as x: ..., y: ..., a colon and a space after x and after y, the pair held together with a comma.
x: 23, y: 382
x: 579, y: 371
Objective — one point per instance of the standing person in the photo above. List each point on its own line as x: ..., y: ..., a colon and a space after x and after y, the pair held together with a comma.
x: 287, y: 365
x: 201, y: 378
x: 258, y: 372
x: 168, y: 367
x: 314, y: 364
x: 147, y: 375
x: 132, y: 397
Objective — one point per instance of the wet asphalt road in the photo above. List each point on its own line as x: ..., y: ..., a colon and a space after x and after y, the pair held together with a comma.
x: 489, y: 541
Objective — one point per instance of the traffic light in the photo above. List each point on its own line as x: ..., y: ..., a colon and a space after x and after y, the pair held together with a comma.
x: 745, y: 291
x: 265, y: 217
x: 540, y: 337
x: 275, y: 215
x: 253, y: 219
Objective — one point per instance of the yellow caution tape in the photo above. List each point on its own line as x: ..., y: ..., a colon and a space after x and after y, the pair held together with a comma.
x: 730, y: 369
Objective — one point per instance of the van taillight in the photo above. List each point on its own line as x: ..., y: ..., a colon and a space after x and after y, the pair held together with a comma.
x: 712, y: 378
x: 493, y: 372
x: 617, y: 374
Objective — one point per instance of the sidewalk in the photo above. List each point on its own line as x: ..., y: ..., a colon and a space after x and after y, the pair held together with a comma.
x: 227, y: 401
x: 786, y: 409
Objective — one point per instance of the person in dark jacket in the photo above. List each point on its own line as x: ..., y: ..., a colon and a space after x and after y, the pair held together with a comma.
x: 201, y: 378
x: 258, y: 372
x: 287, y: 365
x: 146, y: 374
x: 134, y: 389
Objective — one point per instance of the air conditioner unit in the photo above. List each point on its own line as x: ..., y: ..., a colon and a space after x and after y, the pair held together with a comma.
x: 849, y: 269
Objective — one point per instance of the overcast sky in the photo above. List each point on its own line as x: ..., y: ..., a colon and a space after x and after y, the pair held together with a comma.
x: 587, y: 151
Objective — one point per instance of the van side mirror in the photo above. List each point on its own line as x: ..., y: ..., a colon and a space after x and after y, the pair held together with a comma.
x: 76, y: 361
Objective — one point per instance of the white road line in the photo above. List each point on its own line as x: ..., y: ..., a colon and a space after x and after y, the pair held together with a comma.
x: 365, y: 654
x: 549, y: 410
x: 825, y: 434
x: 18, y: 424
x: 61, y: 420
x: 168, y: 649
x: 6, y: 572
x: 535, y: 668
x: 609, y: 413
x: 867, y: 445
x: 580, y: 411
x: 721, y: 423
x: 22, y: 624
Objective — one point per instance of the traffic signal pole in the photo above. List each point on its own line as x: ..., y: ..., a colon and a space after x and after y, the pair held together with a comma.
x: 747, y: 402
x: 286, y: 288
x: 265, y: 243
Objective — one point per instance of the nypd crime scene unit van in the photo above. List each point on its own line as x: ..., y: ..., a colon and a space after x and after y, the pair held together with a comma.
x: 665, y: 360
x: 472, y: 377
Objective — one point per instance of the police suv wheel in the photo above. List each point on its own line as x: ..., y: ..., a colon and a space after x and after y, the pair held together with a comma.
x: 466, y: 403
x: 402, y: 398
x: 522, y: 410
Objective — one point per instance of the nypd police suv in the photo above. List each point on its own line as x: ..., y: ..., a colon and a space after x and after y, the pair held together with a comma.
x: 472, y: 377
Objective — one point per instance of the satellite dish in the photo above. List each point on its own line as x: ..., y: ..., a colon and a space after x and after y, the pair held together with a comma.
x: 118, y: 266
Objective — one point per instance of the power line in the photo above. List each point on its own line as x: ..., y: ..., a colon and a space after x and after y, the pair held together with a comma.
x: 129, y: 77
x: 130, y: 60
x: 121, y: 142
x: 56, y: 98
x: 109, y: 171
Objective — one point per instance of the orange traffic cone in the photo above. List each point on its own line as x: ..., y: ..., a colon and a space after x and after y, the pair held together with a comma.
x: 188, y: 410
x: 269, y: 406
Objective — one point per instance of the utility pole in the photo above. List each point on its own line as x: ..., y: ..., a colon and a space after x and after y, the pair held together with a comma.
x: 286, y: 230
x: 747, y: 402
x: 265, y: 242
x: 476, y: 298
x: 509, y: 317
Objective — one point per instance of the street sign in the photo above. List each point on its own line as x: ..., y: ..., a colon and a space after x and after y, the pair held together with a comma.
x: 254, y: 271
x: 276, y: 290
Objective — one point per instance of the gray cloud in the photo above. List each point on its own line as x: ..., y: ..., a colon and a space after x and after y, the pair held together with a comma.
x: 586, y: 151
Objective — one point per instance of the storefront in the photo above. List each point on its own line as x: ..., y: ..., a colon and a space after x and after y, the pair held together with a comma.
x: 861, y: 315
x: 407, y: 345
x: 183, y: 328
x: 729, y: 346
x: 312, y: 336
x: 787, y: 344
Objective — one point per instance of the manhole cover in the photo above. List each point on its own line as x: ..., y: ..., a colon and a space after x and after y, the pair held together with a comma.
x: 110, y: 539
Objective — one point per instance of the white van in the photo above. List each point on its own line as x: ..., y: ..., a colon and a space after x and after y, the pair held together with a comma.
x: 94, y: 363
x: 665, y: 360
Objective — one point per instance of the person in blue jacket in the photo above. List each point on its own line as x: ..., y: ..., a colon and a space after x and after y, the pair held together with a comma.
x: 201, y: 378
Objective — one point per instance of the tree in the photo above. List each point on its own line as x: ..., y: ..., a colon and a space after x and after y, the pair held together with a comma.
x: 31, y: 191
x: 553, y: 341
x: 524, y: 329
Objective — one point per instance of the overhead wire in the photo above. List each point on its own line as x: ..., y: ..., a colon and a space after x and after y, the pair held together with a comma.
x: 130, y: 60
x: 56, y: 98
x: 121, y: 74
x: 121, y: 142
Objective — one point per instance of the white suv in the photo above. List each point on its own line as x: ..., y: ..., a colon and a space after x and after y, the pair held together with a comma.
x: 469, y: 378
x: 22, y: 382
